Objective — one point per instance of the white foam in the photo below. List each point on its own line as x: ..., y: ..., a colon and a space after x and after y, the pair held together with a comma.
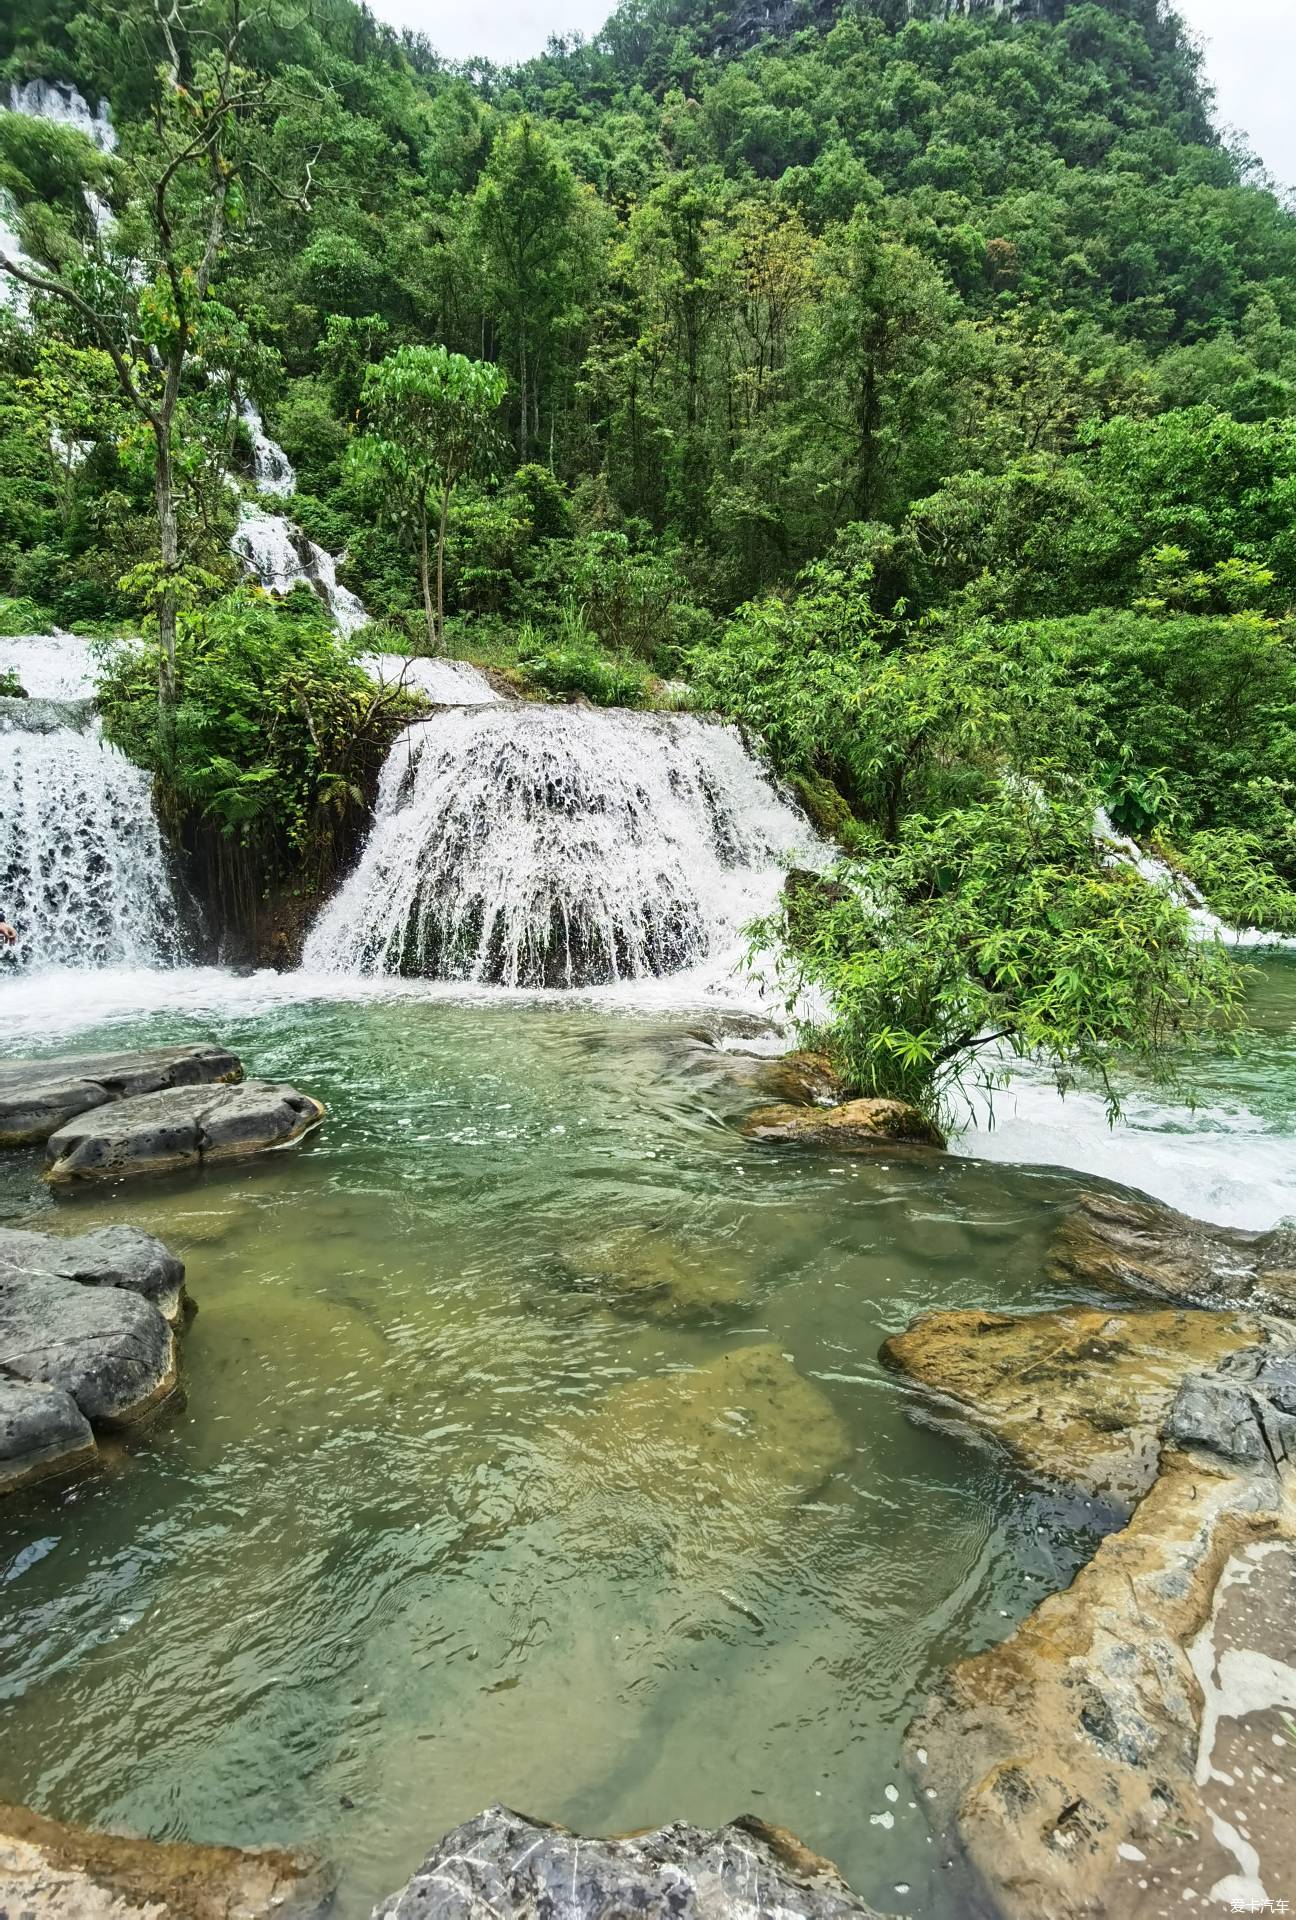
x: 50, y: 666
x: 280, y: 557
x: 450, y: 683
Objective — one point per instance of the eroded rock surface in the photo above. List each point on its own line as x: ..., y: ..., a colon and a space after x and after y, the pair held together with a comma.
x: 805, y: 1079
x: 643, y: 1274
x: 1078, y: 1397
x: 84, y: 1342
x: 39, y: 1096
x: 104, y: 1257
x: 177, y: 1128
x: 1117, y: 1241
x: 1125, y: 1754
x: 49, y: 1871
x: 856, y: 1126
x: 505, y: 1865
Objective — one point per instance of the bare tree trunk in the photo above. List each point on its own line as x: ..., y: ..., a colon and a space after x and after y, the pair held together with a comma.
x: 441, y: 539
x: 523, y: 421
x: 429, y: 612
x: 169, y: 556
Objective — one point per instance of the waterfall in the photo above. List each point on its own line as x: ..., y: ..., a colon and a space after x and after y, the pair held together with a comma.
x: 280, y: 557
x: 270, y: 464
x: 50, y: 666
x: 1118, y: 849
x: 83, y: 876
x: 447, y: 683
x: 60, y: 101
x: 560, y: 847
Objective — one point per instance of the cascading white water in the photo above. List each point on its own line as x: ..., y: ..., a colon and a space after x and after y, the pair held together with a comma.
x: 60, y: 101
x: 560, y: 847
x: 448, y: 683
x: 1117, y: 847
x: 50, y: 666
x: 280, y: 557
x: 272, y: 468
x: 83, y: 875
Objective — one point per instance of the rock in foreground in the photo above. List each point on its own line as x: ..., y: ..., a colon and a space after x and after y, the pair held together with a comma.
x: 55, y: 1872
x: 504, y: 1865
x: 1116, y: 1241
x: 37, y: 1097
x: 1127, y: 1753
x: 856, y: 1126
x: 1077, y: 1397
x: 84, y: 1342
x: 180, y: 1127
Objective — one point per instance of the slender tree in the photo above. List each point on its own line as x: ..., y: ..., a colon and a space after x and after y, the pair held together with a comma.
x: 429, y: 416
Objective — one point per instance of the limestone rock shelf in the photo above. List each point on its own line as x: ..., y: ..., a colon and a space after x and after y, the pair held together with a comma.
x: 86, y: 1341
x: 179, y: 1128
x: 39, y: 1096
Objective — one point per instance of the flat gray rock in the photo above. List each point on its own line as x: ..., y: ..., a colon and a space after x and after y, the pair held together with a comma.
x: 39, y: 1096
x: 177, y: 1128
x: 503, y: 1865
x: 105, y: 1257
x: 109, y: 1349
x: 41, y: 1429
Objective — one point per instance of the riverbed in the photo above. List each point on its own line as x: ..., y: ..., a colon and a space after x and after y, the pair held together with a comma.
x: 426, y: 1532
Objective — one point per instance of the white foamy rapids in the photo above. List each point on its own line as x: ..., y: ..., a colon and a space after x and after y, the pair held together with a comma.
x: 270, y: 464
x: 50, y: 666
x: 1221, y: 1162
x: 83, y: 876
x: 449, y: 683
x: 562, y: 847
x: 60, y: 101
x: 1119, y: 848
x: 280, y: 557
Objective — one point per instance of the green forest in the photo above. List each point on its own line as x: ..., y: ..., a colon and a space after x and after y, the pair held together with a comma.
x: 918, y: 392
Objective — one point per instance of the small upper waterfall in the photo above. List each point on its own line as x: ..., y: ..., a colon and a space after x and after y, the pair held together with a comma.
x: 447, y: 683
x: 280, y: 557
x: 270, y: 464
x: 560, y: 847
x: 50, y: 666
x: 60, y: 101
x: 1118, y: 849
x: 83, y: 875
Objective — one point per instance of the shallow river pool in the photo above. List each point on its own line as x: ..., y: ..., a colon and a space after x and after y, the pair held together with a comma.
x: 437, y: 1525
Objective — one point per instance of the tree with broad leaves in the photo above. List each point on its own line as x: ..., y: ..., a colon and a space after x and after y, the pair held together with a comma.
x: 192, y: 182
x: 429, y: 419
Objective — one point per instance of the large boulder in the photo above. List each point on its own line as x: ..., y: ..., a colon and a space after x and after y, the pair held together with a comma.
x: 50, y: 1871
x: 180, y: 1127
x: 1119, y: 1242
x: 855, y: 1126
x: 1078, y: 1397
x: 39, y: 1096
x: 104, y: 1257
x: 1124, y: 1753
x: 84, y: 1341
x: 507, y: 1866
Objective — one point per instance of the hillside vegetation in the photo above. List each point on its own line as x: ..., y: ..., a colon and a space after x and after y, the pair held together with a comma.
x: 920, y: 391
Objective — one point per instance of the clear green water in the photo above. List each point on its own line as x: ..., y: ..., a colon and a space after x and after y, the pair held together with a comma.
x: 418, y: 1540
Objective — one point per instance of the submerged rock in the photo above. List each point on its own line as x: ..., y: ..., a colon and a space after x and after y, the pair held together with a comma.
x: 641, y: 1273
x: 104, y: 1257
x: 507, y: 1866
x: 83, y: 1342
x: 1124, y: 1753
x: 39, y: 1096
x: 856, y: 1126
x: 54, y: 1872
x: 1078, y: 1397
x: 1138, y: 1246
x: 179, y: 1127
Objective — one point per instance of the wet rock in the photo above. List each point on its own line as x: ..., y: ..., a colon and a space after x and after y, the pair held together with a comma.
x: 857, y: 1126
x: 49, y: 1871
x: 1117, y: 1241
x: 84, y: 1342
x: 39, y: 1096
x: 505, y: 1865
x: 104, y: 1257
x: 805, y: 1079
x: 644, y: 1275
x: 1244, y: 1411
x: 1071, y: 1769
x: 179, y: 1127
x: 42, y: 1430
x: 111, y: 1351
x: 1079, y: 1396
